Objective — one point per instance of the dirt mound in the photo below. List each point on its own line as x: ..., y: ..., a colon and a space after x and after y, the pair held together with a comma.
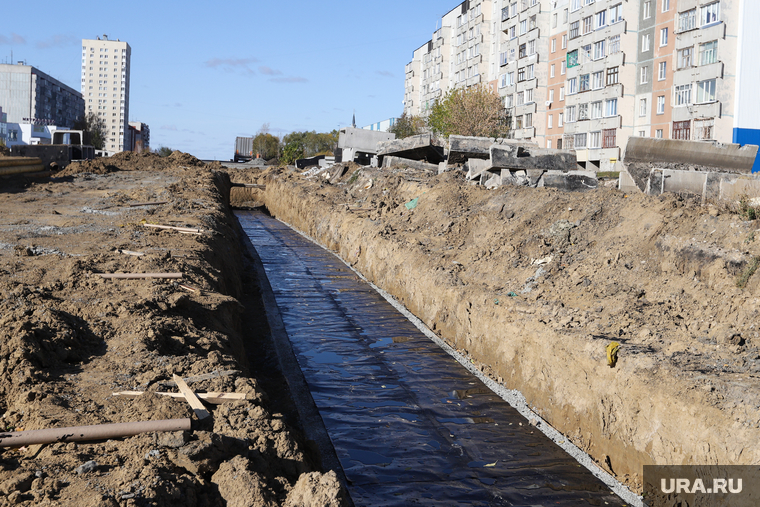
x: 70, y: 339
x: 533, y: 284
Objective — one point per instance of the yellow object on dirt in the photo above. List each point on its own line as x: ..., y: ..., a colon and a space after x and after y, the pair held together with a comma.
x: 612, y: 353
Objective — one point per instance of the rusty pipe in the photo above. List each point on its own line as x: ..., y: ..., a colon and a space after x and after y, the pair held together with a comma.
x: 88, y: 433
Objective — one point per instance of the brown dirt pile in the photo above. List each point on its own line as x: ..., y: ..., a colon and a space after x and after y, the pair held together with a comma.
x: 70, y: 339
x: 533, y: 284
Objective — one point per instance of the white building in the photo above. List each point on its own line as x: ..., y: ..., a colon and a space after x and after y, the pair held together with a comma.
x: 105, y: 87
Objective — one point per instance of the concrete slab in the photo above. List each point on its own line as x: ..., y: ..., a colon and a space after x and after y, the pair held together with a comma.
x: 475, y: 167
x: 521, y: 156
x: 421, y: 147
x: 626, y: 183
x: 692, y: 182
x: 728, y: 157
x: 462, y: 148
x: 414, y: 164
x: 361, y: 140
x: 576, y: 181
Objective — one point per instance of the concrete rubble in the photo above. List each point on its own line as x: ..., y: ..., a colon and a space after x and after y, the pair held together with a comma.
x: 421, y: 147
x: 360, y: 145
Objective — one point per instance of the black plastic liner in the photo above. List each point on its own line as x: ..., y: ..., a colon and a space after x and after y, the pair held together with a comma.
x: 410, y: 425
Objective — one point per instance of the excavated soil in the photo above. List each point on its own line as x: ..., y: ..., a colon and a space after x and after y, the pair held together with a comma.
x: 533, y: 284
x: 69, y: 339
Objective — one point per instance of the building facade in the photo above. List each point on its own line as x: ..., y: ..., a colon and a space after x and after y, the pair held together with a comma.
x: 139, y: 137
x: 587, y: 75
x: 105, y: 87
x: 29, y: 96
x: 3, y: 128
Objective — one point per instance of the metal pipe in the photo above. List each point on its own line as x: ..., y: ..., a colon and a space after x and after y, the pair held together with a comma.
x: 87, y: 433
x: 14, y: 161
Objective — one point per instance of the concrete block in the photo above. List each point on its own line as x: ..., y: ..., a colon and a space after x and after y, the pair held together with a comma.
x: 492, y: 180
x: 654, y: 186
x: 735, y: 188
x: 692, y: 182
x: 626, y: 183
x: 514, y: 156
x: 475, y: 167
x: 462, y: 148
x: 421, y: 147
x: 443, y: 167
x: 726, y: 157
x: 361, y: 140
x: 570, y: 181
x: 308, y: 162
x: 414, y: 164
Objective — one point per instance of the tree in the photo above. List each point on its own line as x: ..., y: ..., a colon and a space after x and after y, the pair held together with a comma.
x: 94, y: 128
x: 164, y: 151
x: 475, y: 111
x: 408, y: 125
x: 308, y: 144
x: 265, y: 144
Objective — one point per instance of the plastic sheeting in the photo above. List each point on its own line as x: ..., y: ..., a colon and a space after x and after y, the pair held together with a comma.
x: 410, y: 425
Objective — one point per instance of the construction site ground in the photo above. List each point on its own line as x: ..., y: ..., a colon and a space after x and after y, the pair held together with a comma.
x: 534, y: 284
x: 69, y: 339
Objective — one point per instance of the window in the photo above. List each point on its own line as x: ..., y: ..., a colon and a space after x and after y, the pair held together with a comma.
x: 560, y: 121
x: 665, y: 5
x: 551, y: 71
x: 601, y: 19
x: 588, y: 25
x: 662, y: 71
x: 551, y: 95
x: 664, y: 37
x: 520, y: 98
x: 582, y: 112
x: 703, y: 129
x: 569, y: 142
x: 580, y: 141
x: 585, y: 53
x: 647, y: 9
x: 683, y: 95
x: 661, y: 104
x: 532, y: 47
x: 572, y: 59
x: 562, y: 67
x: 610, y: 107
x: 503, y: 81
x: 513, y: 32
x: 564, y: 41
x: 709, y: 14
x: 531, y: 73
x: 596, y: 110
x: 645, y: 43
x: 532, y: 22
x: 575, y: 29
x: 554, y: 45
x: 612, y: 76
x: 708, y: 53
x: 518, y: 122
x: 509, y: 101
x: 550, y: 121
x: 595, y: 140
x: 529, y: 96
x: 684, y: 58
x: 616, y: 13
x: 521, y: 75
x: 510, y: 78
x: 570, y: 114
x: 644, y: 75
x: 614, y: 44
x: 682, y: 130
x: 561, y: 93
x: 528, y: 120
x: 523, y: 26
x: 609, y: 138
x: 643, y: 107
x: 658, y: 133
x: 584, y: 82
x: 597, y: 80
x: 564, y: 16
x: 523, y: 51
x: 687, y: 20
x: 706, y: 91
x: 572, y: 86
x: 642, y: 133
x: 554, y: 20
x: 599, y: 50
x: 575, y: 5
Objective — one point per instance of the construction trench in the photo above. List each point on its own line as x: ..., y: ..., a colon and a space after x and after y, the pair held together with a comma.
x: 525, y: 287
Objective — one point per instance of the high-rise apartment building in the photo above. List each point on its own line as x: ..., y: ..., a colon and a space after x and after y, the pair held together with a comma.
x: 587, y: 75
x: 29, y: 96
x: 105, y: 87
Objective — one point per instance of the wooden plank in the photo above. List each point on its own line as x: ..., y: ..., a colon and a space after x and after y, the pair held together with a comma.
x: 129, y: 252
x: 201, y: 378
x: 215, y: 398
x: 138, y: 276
x: 192, y: 399
x: 250, y: 185
x: 157, y: 203
x: 173, y: 228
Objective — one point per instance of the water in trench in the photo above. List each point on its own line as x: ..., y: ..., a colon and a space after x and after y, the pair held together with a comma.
x: 409, y: 424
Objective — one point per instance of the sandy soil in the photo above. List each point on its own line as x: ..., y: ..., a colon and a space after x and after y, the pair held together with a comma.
x: 69, y: 339
x: 534, y: 284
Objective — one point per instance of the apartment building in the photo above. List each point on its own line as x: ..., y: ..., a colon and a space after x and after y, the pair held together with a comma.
x: 105, y: 87
x: 3, y: 128
x: 586, y: 75
x: 29, y: 96
x: 139, y: 137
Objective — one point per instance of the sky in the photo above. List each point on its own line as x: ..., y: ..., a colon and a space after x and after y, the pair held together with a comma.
x: 204, y: 73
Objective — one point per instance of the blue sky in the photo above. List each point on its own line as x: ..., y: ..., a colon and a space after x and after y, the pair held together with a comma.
x: 204, y: 73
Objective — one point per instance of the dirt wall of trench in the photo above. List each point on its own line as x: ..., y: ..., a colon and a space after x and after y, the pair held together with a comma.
x: 533, y: 284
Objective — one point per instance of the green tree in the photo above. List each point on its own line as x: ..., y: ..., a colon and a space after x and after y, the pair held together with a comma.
x: 164, y: 151
x: 265, y: 144
x: 308, y: 144
x: 94, y: 128
x: 475, y: 111
x: 408, y: 125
